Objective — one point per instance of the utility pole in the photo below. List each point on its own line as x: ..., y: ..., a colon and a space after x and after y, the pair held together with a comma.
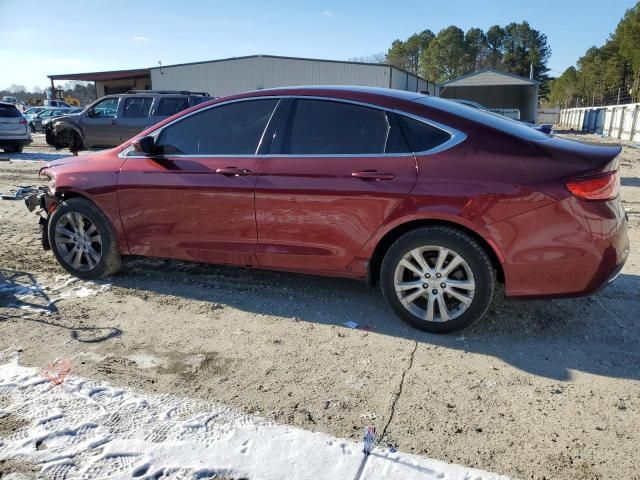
x: 618, y: 102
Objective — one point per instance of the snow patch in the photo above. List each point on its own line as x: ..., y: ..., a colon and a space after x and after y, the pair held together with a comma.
x: 82, y: 429
x: 28, y: 294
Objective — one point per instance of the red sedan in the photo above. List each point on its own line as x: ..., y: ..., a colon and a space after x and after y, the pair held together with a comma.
x: 434, y: 200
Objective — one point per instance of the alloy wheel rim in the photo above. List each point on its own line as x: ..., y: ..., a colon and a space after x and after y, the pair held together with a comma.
x: 434, y: 283
x: 78, y: 241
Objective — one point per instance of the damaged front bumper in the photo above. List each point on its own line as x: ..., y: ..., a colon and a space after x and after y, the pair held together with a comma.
x: 43, y: 204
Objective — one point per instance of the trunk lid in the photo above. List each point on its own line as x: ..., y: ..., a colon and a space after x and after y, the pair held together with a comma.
x: 11, y: 121
x: 582, y: 158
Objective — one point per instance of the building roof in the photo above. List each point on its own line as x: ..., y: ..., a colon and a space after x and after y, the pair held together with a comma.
x: 145, y: 72
x: 350, y: 62
x: 96, y: 76
x: 488, y: 78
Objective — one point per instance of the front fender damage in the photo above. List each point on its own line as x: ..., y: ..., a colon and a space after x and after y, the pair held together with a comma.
x: 43, y: 204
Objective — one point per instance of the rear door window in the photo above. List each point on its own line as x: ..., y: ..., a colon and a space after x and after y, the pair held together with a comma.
x: 9, y: 111
x: 420, y: 135
x: 325, y: 127
x: 230, y: 129
x: 171, y: 106
x: 137, y: 107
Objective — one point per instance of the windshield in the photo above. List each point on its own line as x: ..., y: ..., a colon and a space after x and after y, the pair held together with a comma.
x: 490, y: 119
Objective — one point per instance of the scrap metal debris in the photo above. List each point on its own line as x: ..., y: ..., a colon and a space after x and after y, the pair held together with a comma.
x: 20, y: 192
x: 369, y: 439
x: 57, y: 371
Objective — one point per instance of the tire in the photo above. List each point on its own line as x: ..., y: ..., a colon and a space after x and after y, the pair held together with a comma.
x: 474, y: 279
x: 70, y: 139
x: 13, y: 149
x: 49, y: 137
x: 85, y: 264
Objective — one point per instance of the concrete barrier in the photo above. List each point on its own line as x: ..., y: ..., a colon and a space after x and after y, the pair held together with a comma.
x: 615, y: 121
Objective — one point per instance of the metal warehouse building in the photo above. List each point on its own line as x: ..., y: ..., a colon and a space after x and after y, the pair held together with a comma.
x: 240, y: 74
x: 496, y: 90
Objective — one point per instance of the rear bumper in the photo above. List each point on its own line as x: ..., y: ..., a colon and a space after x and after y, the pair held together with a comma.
x: 566, y: 249
x: 10, y: 142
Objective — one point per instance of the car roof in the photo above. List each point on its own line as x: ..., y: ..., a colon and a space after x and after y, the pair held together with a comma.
x: 328, y: 90
x: 7, y: 104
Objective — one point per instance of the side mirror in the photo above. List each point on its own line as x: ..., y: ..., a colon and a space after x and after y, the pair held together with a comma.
x: 91, y: 113
x: 144, y: 145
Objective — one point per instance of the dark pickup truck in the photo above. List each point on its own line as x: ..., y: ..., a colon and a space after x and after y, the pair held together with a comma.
x: 113, y: 119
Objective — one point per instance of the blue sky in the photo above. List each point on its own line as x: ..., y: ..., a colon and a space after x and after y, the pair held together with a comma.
x: 94, y: 35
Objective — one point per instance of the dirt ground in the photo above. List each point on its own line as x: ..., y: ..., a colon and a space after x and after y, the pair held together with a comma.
x: 538, y: 389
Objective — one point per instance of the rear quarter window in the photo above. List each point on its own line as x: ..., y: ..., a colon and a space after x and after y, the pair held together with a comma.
x: 9, y: 111
x: 420, y: 135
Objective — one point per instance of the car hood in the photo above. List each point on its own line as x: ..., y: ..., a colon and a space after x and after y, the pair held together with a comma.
x: 100, y: 156
x: 70, y: 117
x: 68, y: 160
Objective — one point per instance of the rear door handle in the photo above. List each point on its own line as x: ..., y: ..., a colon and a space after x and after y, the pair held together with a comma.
x: 233, y: 171
x: 373, y: 175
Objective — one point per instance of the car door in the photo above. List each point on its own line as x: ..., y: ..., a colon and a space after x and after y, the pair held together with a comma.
x: 194, y: 200
x: 134, y: 116
x: 336, y: 172
x: 99, y: 123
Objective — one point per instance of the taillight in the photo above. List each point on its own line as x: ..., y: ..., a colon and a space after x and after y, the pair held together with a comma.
x: 599, y: 187
x: 23, y: 121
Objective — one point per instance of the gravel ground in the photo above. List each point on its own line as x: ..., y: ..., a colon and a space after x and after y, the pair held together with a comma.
x: 538, y: 389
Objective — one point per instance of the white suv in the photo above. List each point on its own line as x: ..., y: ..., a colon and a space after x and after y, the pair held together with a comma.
x: 14, y: 131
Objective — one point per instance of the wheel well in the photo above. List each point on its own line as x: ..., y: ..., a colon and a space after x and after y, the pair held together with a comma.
x: 68, y: 137
x: 385, y: 243
x: 63, y: 195
x: 66, y: 195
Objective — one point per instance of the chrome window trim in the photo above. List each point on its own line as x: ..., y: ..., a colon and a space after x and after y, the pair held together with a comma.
x: 457, y: 136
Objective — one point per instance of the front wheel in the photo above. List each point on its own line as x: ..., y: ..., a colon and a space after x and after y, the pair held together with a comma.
x: 83, y: 240
x: 437, y: 279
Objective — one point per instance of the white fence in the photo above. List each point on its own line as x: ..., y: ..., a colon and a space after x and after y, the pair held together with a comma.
x: 616, y: 121
x: 548, y: 115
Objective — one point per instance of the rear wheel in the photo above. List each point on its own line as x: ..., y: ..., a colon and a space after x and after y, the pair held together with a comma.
x: 83, y: 240
x: 437, y: 279
x: 14, y: 149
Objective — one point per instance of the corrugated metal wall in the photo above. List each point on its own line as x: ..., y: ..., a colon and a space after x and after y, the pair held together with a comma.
x: 226, y: 77
x: 402, y: 80
x: 521, y: 97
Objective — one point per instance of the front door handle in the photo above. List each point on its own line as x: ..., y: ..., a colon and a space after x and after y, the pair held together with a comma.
x: 233, y: 171
x: 373, y: 175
